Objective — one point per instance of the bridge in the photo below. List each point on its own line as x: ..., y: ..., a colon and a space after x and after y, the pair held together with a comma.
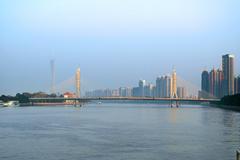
x: 70, y: 82
x: 75, y: 101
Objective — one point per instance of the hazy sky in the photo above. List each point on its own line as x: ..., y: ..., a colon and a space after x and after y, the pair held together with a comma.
x: 115, y: 42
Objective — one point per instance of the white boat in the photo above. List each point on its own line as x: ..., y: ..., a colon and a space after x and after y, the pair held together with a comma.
x: 11, y: 104
x: 1, y: 103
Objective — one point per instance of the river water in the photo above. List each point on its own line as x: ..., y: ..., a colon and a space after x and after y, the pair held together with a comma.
x: 119, y: 132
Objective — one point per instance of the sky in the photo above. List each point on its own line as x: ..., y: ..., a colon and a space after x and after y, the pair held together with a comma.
x: 115, y: 43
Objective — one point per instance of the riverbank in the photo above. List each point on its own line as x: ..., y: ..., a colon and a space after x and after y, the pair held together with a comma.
x: 228, y: 102
x: 227, y: 107
x: 49, y: 104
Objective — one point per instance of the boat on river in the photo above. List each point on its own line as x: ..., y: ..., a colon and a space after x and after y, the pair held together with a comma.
x: 11, y: 104
x: 1, y: 103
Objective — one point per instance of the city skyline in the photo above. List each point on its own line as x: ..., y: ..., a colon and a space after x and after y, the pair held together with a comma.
x: 214, y: 84
x: 76, y: 86
x: 220, y: 82
x: 137, y: 40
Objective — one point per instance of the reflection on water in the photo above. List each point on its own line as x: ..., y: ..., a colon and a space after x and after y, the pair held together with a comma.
x: 119, y: 131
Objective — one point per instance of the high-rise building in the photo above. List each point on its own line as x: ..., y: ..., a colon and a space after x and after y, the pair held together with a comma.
x: 164, y: 87
x: 141, y: 85
x: 107, y: 93
x: 238, y: 88
x: 215, y: 83
x: 158, y: 87
x: 115, y: 93
x: 78, y: 84
x: 154, y: 91
x: 237, y: 85
x: 205, y: 85
x: 149, y: 90
x: 212, y: 82
x: 128, y: 91
x: 174, y: 84
x: 219, y: 84
x: 228, y: 74
x: 167, y: 87
x: 125, y: 92
x: 181, y: 92
x: 122, y: 92
x: 135, y: 92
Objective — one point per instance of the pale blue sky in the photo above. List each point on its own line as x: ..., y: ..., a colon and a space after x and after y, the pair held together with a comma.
x: 115, y: 42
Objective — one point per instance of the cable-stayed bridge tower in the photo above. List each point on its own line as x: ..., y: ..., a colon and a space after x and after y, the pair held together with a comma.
x: 78, y: 83
x: 174, y: 84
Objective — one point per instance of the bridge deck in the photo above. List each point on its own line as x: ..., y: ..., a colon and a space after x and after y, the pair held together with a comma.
x: 124, y: 98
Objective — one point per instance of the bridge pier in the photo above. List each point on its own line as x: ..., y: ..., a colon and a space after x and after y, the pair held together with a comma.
x: 76, y: 102
x: 177, y: 103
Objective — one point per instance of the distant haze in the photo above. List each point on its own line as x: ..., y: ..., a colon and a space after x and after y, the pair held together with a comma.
x: 114, y: 42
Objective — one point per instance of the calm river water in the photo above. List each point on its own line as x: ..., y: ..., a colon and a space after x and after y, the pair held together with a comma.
x: 119, y: 132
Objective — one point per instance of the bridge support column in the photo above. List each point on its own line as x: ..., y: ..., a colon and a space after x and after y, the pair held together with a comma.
x: 75, y: 103
x: 177, y: 104
x: 79, y: 103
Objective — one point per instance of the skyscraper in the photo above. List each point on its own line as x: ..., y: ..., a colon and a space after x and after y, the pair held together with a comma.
x: 228, y: 74
x: 181, y: 92
x: 78, y: 84
x: 219, y: 84
x: 141, y: 84
x: 164, y: 87
x: 237, y: 85
x: 149, y: 90
x: 135, y: 92
x: 122, y: 92
x: 238, y: 81
x: 205, y: 84
x: 174, y: 84
x: 215, y: 83
x: 128, y: 91
x: 158, y: 87
x: 167, y: 87
x: 212, y: 82
x: 125, y: 91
